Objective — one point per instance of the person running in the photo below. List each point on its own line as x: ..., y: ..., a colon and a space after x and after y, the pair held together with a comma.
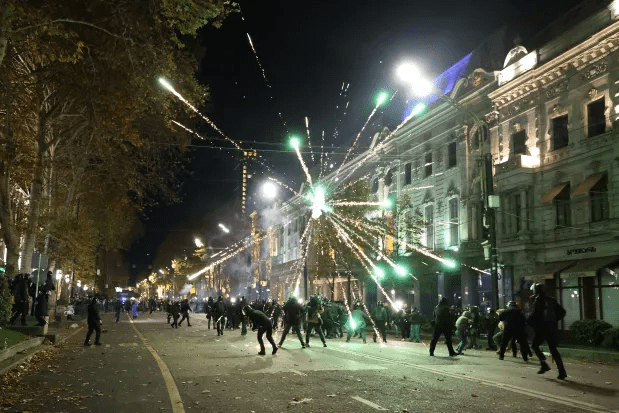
x: 514, y: 323
x: 94, y: 323
x: 545, y: 318
x: 463, y: 325
x: 292, y: 319
x: 442, y: 326
x: 185, y: 309
x: 262, y: 323
x: 175, y: 310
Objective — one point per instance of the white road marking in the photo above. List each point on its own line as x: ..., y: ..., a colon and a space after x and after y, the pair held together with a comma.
x: 298, y: 372
x: 175, y: 397
x: 369, y: 403
x: 521, y: 390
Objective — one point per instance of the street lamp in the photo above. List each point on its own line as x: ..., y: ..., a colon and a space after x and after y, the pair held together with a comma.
x: 198, y: 243
x: 224, y: 228
x: 422, y: 87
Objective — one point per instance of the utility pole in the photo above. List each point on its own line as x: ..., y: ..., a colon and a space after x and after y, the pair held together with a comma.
x: 491, y: 221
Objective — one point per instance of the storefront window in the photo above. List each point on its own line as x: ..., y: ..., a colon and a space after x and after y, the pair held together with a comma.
x: 609, y: 287
x: 571, y: 300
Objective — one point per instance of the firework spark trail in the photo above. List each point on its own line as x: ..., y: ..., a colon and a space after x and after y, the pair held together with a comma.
x: 355, y: 203
x: 309, y: 140
x: 372, y: 247
x: 356, y: 139
x: 227, y: 257
x: 307, y: 174
x: 206, y: 139
x: 346, y: 302
x: 411, y: 246
x: 359, y: 253
x: 210, y: 122
x: 322, y: 151
x: 264, y: 75
x: 283, y: 185
x: 304, y: 251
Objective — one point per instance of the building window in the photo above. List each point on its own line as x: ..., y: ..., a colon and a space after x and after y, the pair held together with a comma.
x: 595, y: 118
x: 519, y: 143
x: 429, y: 218
x: 453, y: 222
x: 562, y: 207
x: 407, y: 174
x: 389, y: 178
x: 598, y: 198
x: 559, y: 132
x: 428, y: 165
x: 570, y: 300
x: 452, y: 161
x: 517, y: 208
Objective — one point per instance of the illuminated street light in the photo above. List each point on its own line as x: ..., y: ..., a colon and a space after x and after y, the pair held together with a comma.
x: 160, y: 271
x: 198, y: 243
x: 85, y: 288
x: 269, y: 190
x: 409, y: 73
x: 224, y: 228
x: 379, y: 273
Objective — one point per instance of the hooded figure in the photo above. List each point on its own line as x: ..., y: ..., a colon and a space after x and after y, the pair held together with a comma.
x: 262, y: 322
x: 221, y: 309
x: 514, y: 323
x: 545, y: 318
x: 94, y: 322
x: 381, y: 317
x: 442, y: 326
x: 292, y: 319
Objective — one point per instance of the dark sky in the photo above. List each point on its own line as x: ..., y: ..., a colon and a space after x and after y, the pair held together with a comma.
x: 307, y: 50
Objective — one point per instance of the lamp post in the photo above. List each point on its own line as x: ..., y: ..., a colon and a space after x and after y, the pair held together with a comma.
x: 58, y: 280
x: 422, y: 87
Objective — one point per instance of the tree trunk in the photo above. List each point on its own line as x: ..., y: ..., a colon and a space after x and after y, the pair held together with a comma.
x: 3, y: 47
x: 34, y: 210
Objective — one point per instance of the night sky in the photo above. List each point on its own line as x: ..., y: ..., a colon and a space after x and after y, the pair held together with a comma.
x: 308, y: 50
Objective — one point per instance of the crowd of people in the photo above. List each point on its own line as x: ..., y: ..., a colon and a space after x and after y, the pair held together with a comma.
x: 30, y: 298
x: 506, y: 329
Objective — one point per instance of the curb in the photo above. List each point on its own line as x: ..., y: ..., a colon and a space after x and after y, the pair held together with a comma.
x: 24, y: 359
x: 19, y: 347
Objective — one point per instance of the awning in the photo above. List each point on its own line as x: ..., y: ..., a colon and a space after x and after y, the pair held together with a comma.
x: 588, y: 267
x: 548, y: 270
x: 552, y: 194
x: 586, y: 185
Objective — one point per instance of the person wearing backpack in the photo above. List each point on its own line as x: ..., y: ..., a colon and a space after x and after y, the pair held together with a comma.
x: 545, y: 318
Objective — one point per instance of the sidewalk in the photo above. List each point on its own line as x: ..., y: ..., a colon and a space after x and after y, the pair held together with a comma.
x: 19, y: 353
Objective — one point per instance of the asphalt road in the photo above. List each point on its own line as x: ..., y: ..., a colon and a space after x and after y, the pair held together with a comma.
x: 146, y: 366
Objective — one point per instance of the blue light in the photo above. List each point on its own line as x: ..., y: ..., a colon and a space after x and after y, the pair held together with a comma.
x: 445, y: 82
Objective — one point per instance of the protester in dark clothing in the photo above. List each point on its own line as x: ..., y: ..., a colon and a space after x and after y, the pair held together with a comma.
x: 416, y: 319
x: 40, y: 309
x: 514, y: 328
x: 381, y: 317
x: 545, y: 317
x: 241, y: 304
x: 153, y: 305
x: 261, y: 322
x: 443, y: 325
x: 20, y: 295
x: 118, y: 306
x: 175, y: 309
x: 292, y: 319
x: 209, y: 309
x: 185, y: 309
x: 314, y: 309
x: 277, y: 311
x: 221, y: 309
x: 94, y: 323
x: 492, y: 323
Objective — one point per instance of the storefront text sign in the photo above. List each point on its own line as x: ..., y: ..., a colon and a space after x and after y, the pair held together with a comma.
x: 574, y: 251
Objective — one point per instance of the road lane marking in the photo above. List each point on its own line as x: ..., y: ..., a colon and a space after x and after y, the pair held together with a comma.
x: 175, y: 397
x: 521, y: 390
x: 367, y: 402
x: 298, y: 372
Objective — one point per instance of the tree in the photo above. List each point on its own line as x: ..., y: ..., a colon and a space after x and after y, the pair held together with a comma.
x: 83, y: 125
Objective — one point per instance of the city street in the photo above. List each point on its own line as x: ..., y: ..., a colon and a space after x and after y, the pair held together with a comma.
x: 146, y: 366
